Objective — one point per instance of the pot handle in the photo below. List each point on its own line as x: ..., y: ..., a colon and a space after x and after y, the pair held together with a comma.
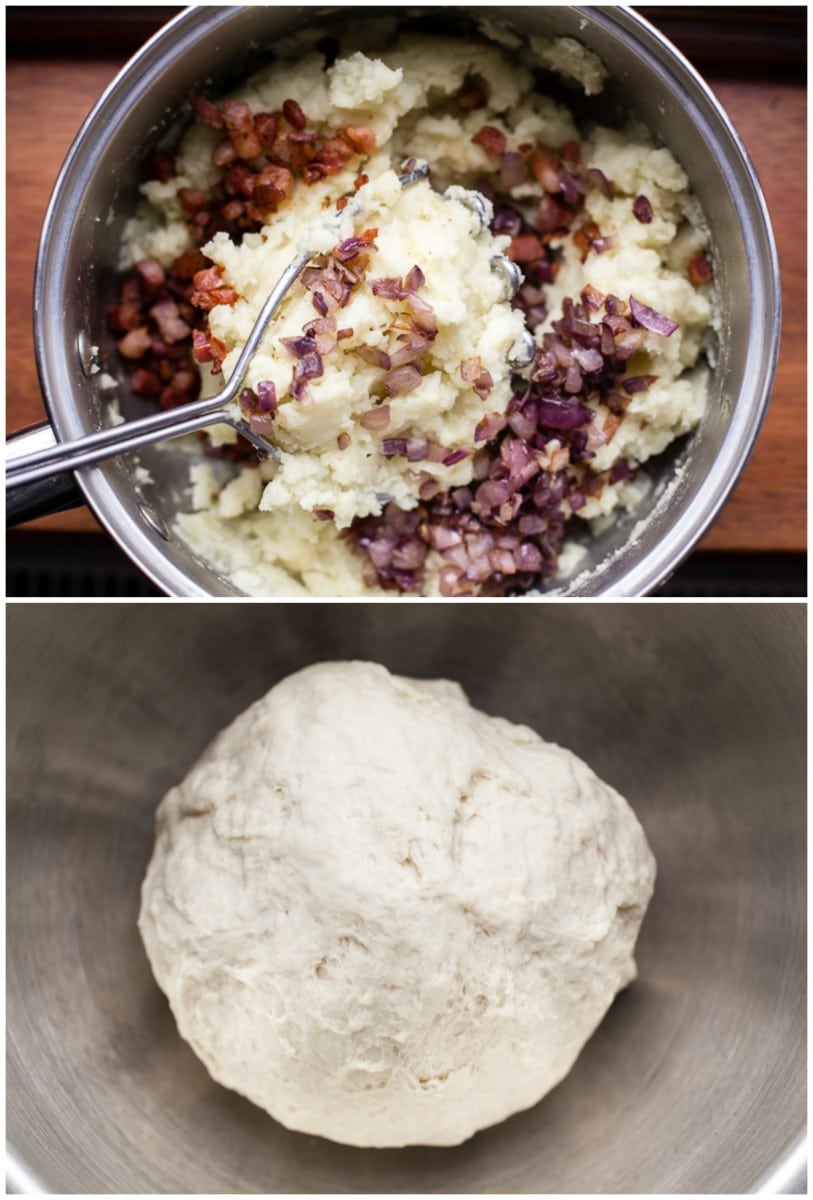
x: 30, y: 500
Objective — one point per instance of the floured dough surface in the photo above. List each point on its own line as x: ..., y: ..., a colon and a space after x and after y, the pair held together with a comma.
x: 385, y: 917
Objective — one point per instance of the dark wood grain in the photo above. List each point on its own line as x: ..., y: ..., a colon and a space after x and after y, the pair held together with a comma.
x: 48, y: 99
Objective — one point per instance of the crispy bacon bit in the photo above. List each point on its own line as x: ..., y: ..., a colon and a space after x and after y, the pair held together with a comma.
x: 162, y: 166
x: 343, y: 441
x: 209, y: 291
x: 525, y: 248
x: 145, y: 383
x: 472, y: 94
x: 169, y: 321
x: 224, y: 153
x: 699, y: 270
x: 589, y: 237
x: 206, y: 111
x: 611, y: 425
x: 342, y: 203
x: 592, y: 298
x: 192, y: 199
x: 240, y: 123
x: 272, y: 186
x: 642, y: 210
x: 545, y: 169
x: 362, y: 140
x: 136, y: 343
x: 266, y: 127
x: 189, y: 263
x: 207, y: 348
x: 293, y: 114
x: 210, y: 299
x: 491, y: 139
x: 151, y: 276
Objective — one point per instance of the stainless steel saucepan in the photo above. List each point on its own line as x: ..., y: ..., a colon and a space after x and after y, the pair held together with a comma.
x: 695, y: 1080
x: 97, y: 191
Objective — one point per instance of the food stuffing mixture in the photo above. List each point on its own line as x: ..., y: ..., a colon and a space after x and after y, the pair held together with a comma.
x: 420, y: 452
x: 388, y: 947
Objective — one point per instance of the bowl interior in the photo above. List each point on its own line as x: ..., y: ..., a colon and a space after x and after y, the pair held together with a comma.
x: 98, y: 192
x: 695, y: 1080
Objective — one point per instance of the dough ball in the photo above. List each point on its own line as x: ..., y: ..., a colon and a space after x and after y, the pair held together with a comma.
x: 385, y: 917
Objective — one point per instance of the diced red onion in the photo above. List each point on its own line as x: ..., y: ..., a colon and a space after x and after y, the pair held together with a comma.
x: 309, y: 366
x: 492, y: 493
x: 374, y: 356
x: 598, y: 179
x: 414, y: 280
x: 503, y: 562
x: 262, y: 423
x: 293, y: 114
x: 506, y: 221
x: 413, y: 347
x: 417, y: 449
x: 513, y: 169
x: 654, y: 321
x: 350, y: 248
x: 559, y: 414
x: 409, y: 553
x: 390, y: 289
x: 589, y: 360
x: 491, y: 139
x: 637, y: 383
x: 266, y: 396
x: 642, y: 210
x: 299, y: 346
x: 527, y: 557
x: 376, y: 418
x: 620, y: 470
x: 489, y: 427
x: 403, y: 380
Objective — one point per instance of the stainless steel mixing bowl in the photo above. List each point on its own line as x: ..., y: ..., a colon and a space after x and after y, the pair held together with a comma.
x: 97, y: 192
x: 695, y: 1080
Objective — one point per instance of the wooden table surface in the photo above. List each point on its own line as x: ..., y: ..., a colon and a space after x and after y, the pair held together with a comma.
x: 47, y: 99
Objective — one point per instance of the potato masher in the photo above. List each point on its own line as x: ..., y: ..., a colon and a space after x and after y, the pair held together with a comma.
x: 215, y: 410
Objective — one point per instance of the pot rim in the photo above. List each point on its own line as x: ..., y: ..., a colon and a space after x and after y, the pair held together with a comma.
x: 638, y: 578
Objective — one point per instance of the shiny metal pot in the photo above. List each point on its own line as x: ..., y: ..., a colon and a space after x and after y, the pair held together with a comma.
x: 695, y: 1080
x: 97, y: 191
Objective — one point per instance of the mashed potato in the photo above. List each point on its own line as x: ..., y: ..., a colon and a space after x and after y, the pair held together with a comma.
x: 632, y: 229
